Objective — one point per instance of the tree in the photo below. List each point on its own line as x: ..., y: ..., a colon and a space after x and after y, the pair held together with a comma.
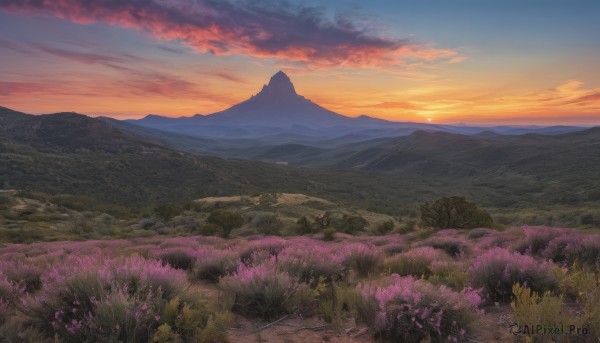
x: 225, y: 219
x: 323, y: 220
x: 352, y: 224
x: 454, y: 212
x: 166, y: 211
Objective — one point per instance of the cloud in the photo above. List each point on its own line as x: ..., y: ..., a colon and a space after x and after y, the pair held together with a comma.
x: 81, y: 57
x: 16, y: 88
x: 266, y: 29
x: 390, y: 105
x: 230, y: 77
x: 593, y: 97
x: 13, y: 46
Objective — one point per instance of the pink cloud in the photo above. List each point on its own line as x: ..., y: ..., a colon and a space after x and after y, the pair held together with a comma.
x: 269, y: 29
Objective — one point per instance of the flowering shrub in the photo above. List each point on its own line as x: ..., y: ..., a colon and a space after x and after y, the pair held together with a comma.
x: 309, y: 263
x: 26, y: 276
x: 260, y: 291
x: 415, y: 262
x: 9, y: 293
x: 411, y: 310
x: 479, y: 232
x: 537, y: 239
x: 497, y: 270
x: 212, y: 264
x: 363, y: 258
x: 568, y: 249
x: 177, y: 258
x: 109, y: 300
x: 452, y: 246
x: 564, y: 246
x: 272, y: 245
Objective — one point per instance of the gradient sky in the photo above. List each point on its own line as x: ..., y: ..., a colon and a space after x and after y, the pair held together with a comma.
x: 451, y: 61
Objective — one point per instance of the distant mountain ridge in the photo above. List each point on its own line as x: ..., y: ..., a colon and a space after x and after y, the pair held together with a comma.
x: 121, y: 163
x: 276, y: 105
x: 279, y: 109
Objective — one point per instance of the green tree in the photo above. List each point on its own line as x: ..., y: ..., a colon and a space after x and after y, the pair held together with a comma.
x: 225, y: 219
x: 352, y: 224
x: 166, y: 211
x: 454, y: 212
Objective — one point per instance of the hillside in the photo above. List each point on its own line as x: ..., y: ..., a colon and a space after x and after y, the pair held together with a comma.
x: 101, y: 165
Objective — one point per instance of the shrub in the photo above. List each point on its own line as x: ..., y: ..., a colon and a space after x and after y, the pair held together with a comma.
x: 267, y: 224
x: 304, y: 226
x: 166, y: 211
x: 584, y: 286
x: 212, y: 264
x: 479, y: 232
x: 309, y: 264
x: 449, y: 273
x: 115, y: 301
x: 191, y: 320
x: 407, y: 226
x: 226, y: 220
x: 497, y: 270
x: 415, y: 262
x: 177, y: 258
x: 271, y: 245
x: 452, y: 246
x: 410, y: 310
x: 351, y: 224
x: 208, y: 229
x: 537, y: 239
x: 260, y: 291
x: 323, y: 220
x: 25, y: 276
x: 530, y: 307
x: 454, y: 212
x: 564, y: 246
x: 329, y: 234
x: 571, y: 248
x: 385, y: 227
x: 363, y: 258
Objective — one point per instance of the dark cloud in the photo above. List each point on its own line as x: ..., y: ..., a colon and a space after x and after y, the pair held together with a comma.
x: 13, y: 46
x: 271, y: 29
x: 230, y: 77
x: 81, y: 57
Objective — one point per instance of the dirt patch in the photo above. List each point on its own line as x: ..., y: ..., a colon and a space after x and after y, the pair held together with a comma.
x: 212, y: 200
x: 296, y: 329
x: 297, y: 199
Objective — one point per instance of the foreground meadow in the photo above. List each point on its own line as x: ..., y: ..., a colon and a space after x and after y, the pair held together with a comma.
x: 477, y: 285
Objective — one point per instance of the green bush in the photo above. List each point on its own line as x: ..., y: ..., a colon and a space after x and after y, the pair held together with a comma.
x: 329, y: 234
x: 350, y: 224
x: 166, y: 211
x: 454, y: 212
x: 385, y: 227
x: 226, y: 220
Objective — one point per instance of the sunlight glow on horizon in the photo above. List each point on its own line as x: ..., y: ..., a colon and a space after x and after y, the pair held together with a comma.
x: 107, y: 62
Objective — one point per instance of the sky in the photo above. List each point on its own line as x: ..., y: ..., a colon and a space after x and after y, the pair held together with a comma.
x: 446, y: 61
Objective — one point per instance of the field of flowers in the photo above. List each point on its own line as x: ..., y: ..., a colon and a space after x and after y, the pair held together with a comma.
x: 437, y: 286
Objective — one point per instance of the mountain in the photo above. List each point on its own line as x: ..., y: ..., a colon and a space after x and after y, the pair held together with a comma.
x: 93, y: 162
x: 66, y: 131
x: 279, y: 111
x: 278, y: 104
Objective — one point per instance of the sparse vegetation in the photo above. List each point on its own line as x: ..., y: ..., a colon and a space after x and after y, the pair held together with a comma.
x: 455, y: 213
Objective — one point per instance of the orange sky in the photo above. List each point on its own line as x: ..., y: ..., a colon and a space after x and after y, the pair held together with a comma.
x: 135, y: 59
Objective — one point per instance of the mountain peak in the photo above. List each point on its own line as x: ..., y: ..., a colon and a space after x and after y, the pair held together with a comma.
x: 279, y: 85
